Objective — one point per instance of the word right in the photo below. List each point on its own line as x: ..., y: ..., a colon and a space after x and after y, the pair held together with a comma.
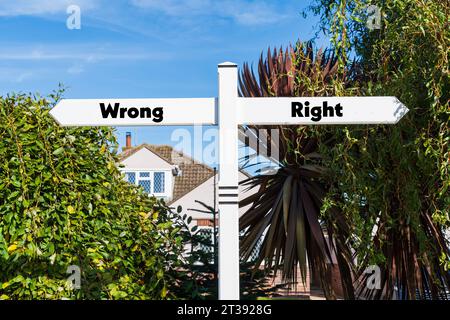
x: 316, y: 113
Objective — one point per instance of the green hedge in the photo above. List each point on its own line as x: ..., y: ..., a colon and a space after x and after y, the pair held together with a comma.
x: 64, y: 202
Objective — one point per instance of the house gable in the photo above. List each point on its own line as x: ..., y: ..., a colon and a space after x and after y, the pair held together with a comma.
x: 146, y: 159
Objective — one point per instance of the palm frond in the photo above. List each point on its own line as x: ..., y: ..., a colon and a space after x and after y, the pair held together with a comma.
x: 285, y: 209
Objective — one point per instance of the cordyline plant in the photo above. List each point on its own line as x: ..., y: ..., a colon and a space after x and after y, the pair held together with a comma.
x: 286, y: 209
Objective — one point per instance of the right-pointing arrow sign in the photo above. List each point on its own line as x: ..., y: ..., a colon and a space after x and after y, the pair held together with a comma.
x: 320, y: 110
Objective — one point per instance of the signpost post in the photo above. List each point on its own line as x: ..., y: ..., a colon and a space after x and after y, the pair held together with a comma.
x: 229, y: 111
x: 228, y: 183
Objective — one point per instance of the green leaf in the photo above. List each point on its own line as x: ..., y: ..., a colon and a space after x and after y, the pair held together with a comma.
x: 58, y: 151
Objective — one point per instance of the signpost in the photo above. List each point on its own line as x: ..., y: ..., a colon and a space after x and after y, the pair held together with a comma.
x: 228, y: 111
x: 134, y: 112
x: 321, y: 110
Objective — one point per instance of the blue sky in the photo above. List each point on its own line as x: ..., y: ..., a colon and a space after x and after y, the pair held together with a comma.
x: 139, y: 48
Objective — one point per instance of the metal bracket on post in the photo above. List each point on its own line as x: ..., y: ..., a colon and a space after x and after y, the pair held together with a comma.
x: 228, y: 183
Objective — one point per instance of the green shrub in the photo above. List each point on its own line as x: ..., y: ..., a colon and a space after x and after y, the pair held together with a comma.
x: 396, y: 179
x: 64, y: 202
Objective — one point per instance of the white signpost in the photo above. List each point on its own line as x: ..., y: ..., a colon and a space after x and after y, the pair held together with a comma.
x: 228, y: 111
x: 134, y: 112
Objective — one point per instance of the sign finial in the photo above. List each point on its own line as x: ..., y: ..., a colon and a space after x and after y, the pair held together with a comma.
x: 227, y: 64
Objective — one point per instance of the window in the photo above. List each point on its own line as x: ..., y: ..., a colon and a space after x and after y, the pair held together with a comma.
x: 153, y: 182
x: 206, y: 235
x: 144, y: 181
x: 130, y: 177
x: 256, y: 250
x: 146, y: 185
x: 158, y: 182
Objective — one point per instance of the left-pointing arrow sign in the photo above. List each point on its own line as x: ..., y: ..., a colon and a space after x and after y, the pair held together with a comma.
x: 135, y: 112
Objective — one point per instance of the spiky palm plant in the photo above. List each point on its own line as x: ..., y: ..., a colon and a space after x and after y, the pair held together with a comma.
x: 285, y: 210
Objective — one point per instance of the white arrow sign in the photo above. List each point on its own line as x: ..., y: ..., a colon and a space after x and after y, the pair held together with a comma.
x: 134, y: 112
x: 228, y: 110
x: 321, y: 110
x: 259, y: 111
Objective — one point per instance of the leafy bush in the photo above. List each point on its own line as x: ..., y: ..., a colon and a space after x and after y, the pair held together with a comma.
x: 395, y: 179
x: 64, y: 202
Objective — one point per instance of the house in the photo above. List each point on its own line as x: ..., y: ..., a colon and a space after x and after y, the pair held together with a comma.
x: 182, y: 181
x: 175, y: 177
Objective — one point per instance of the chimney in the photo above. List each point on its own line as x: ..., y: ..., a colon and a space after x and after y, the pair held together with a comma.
x: 127, y: 142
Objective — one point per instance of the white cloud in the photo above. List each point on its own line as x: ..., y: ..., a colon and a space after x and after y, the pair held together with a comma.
x: 175, y: 7
x: 85, y: 53
x: 75, y: 69
x: 242, y: 11
x: 33, y: 61
x: 41, y: 7
x: 73, y: 60
x: 23, y: 76
x: 16, y: 75
x: 254, y: 13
